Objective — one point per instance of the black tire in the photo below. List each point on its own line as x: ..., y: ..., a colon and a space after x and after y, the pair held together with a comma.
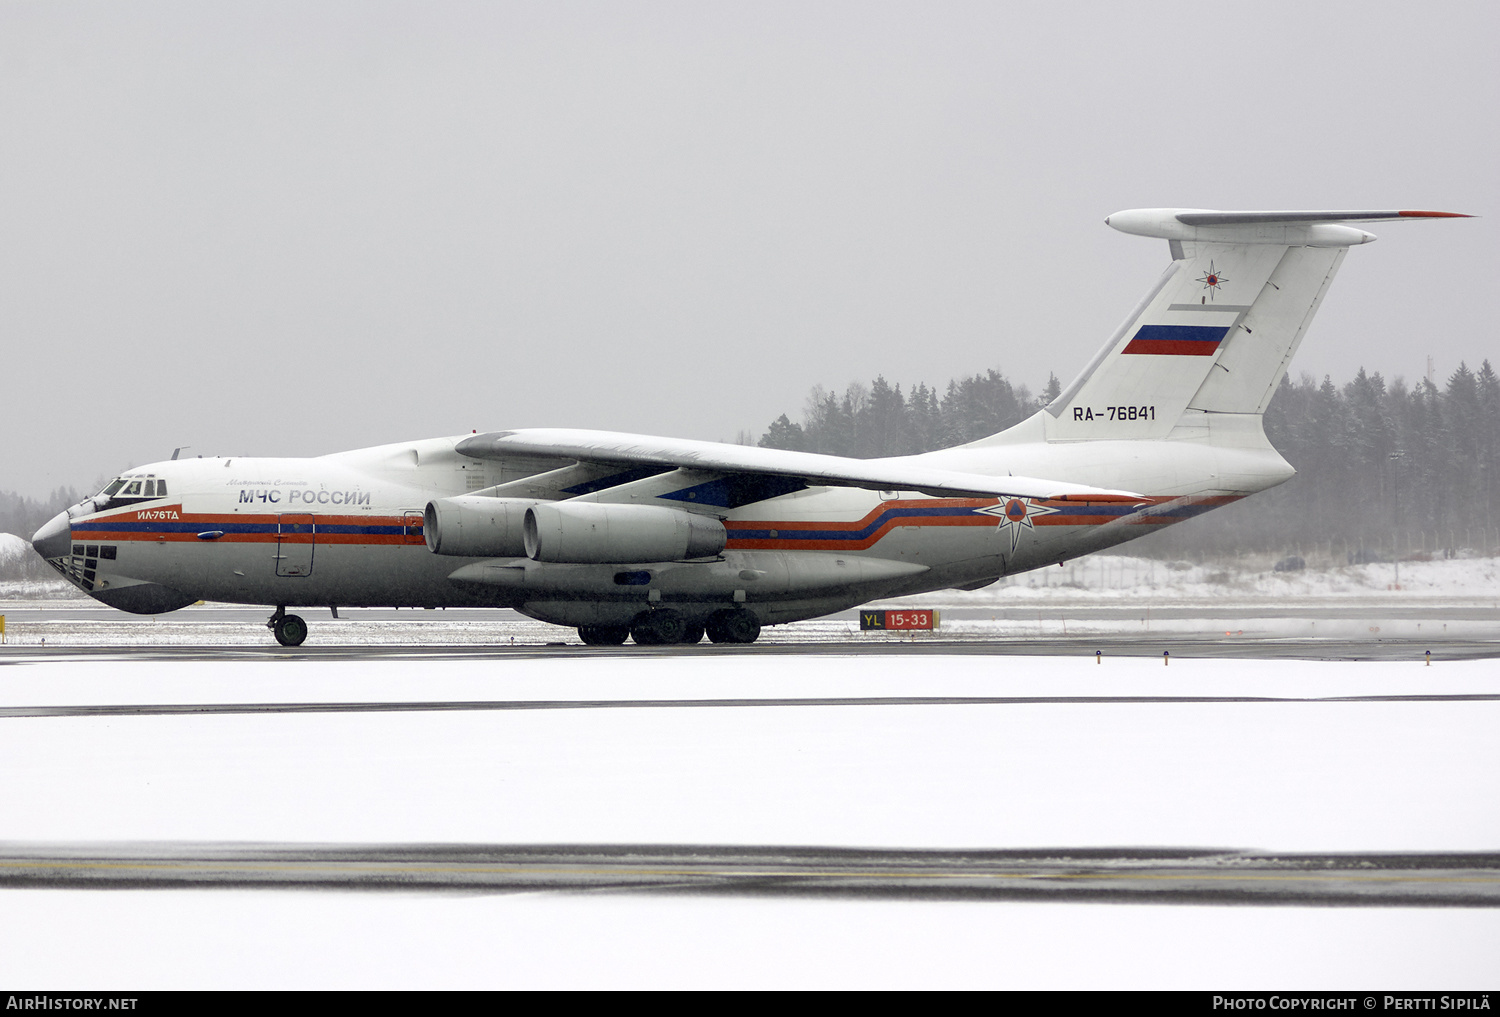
x: 736, y: 626
x: 693, y: 633
x: 291, y: 631
x: 657, y: 628
x: 603, y: 635
x: 741, y: 626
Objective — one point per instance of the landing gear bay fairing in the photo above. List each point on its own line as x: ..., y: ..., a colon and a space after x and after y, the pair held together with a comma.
x: 664, y: 541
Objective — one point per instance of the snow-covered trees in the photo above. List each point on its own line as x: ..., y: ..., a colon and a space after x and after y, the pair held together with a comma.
x: 1377, y: 461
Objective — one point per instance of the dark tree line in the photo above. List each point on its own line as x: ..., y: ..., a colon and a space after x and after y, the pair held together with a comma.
x: 23, y: 517
x: 1380, y: 465
x: 879, y: 421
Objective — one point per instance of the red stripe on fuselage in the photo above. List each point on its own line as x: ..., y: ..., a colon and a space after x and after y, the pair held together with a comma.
x: 1053, y: 519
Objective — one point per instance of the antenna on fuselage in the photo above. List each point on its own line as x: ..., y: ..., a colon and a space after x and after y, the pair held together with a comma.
x: 175, y: 451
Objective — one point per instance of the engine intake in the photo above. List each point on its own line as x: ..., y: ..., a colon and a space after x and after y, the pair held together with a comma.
x: 474, y: 526
x: 593, y: 534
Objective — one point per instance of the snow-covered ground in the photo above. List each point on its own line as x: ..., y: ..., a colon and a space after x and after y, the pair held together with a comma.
x: 1119, y: 579
x: 269, y: 940
x: 1279, y: 776
x: 16, y: 558
x: 1292, y: 776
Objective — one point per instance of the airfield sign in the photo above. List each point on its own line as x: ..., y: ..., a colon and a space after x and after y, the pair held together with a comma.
x: 897, y: 621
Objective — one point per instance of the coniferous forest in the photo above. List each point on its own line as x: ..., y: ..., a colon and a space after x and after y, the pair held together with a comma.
x: 1383, y: 468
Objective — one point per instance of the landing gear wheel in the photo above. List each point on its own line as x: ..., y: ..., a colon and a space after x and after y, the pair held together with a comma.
x: 603, y: 635
x: 692, y: 634
x: 290, y: 630
x: 658, y: 628
x: 737, y: 626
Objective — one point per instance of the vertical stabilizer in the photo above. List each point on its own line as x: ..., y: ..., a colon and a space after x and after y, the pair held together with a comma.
x: 1217, y: 332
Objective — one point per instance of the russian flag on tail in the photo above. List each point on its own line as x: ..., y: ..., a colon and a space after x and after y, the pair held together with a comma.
x: 1177, y: 340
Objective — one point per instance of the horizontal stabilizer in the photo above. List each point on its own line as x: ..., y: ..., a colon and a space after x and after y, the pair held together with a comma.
x: 1286, y: 228
x: 1233, y: 218
x: 811, y: 468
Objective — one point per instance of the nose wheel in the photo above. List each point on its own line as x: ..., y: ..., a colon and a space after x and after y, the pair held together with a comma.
x: 289, y: 629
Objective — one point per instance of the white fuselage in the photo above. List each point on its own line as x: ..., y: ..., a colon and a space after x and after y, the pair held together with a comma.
x: 346, y: 530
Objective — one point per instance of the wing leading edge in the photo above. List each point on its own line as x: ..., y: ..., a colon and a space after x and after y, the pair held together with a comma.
x: 616, y: 449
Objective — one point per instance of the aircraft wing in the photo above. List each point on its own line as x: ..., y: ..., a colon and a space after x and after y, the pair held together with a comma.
x: 900, y: 474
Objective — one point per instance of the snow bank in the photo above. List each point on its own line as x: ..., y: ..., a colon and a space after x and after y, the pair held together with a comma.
x: 1116, y: 579
x: 12, y: 548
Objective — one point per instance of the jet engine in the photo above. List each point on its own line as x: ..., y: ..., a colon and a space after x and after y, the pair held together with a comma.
x: 593, y: 533
x: 475, y: 526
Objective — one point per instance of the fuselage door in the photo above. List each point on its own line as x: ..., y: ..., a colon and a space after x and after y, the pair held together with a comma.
x: 411, y: 528
x: 295, y: 535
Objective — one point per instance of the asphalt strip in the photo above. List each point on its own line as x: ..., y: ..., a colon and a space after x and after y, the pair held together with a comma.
x: 1136, y: 875
x: 438, y: 706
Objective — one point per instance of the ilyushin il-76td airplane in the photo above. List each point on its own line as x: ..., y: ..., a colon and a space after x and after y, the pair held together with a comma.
x: 661, y: 540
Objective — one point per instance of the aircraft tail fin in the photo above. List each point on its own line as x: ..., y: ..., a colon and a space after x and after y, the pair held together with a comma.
x: 1215, y: 335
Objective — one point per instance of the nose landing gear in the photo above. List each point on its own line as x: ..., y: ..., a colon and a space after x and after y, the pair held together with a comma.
x: 289, y: 629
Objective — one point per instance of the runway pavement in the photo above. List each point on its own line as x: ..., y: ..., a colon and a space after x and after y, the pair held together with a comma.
x: 1144, y: 645
x: 1133, y: 875
x: 484, y: 706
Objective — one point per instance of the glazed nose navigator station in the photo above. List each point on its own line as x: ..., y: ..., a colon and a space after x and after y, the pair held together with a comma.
x: 95, y: 566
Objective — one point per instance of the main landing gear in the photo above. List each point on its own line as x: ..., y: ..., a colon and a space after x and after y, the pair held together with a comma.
x: 666, y: 626
x: 737, y: 626
x: 603, y: 635
x: 289, y: 629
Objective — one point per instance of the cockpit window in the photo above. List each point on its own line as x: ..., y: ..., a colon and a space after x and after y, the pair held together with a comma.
x: 126, y: 490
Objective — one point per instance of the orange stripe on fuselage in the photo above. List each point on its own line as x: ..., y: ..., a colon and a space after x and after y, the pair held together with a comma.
x: 778, y: 543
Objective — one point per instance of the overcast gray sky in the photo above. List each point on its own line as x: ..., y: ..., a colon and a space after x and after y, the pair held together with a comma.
x: 289, y: 229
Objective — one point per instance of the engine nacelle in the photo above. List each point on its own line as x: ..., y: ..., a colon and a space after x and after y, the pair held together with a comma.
x: 475, y: 526
x: 595, y: 534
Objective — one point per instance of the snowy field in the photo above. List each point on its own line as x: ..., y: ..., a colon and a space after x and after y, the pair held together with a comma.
x: 1309, y: 776
x: 1298, y: 776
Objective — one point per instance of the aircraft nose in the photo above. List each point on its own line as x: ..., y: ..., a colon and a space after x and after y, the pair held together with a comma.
x: 55, y: 538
